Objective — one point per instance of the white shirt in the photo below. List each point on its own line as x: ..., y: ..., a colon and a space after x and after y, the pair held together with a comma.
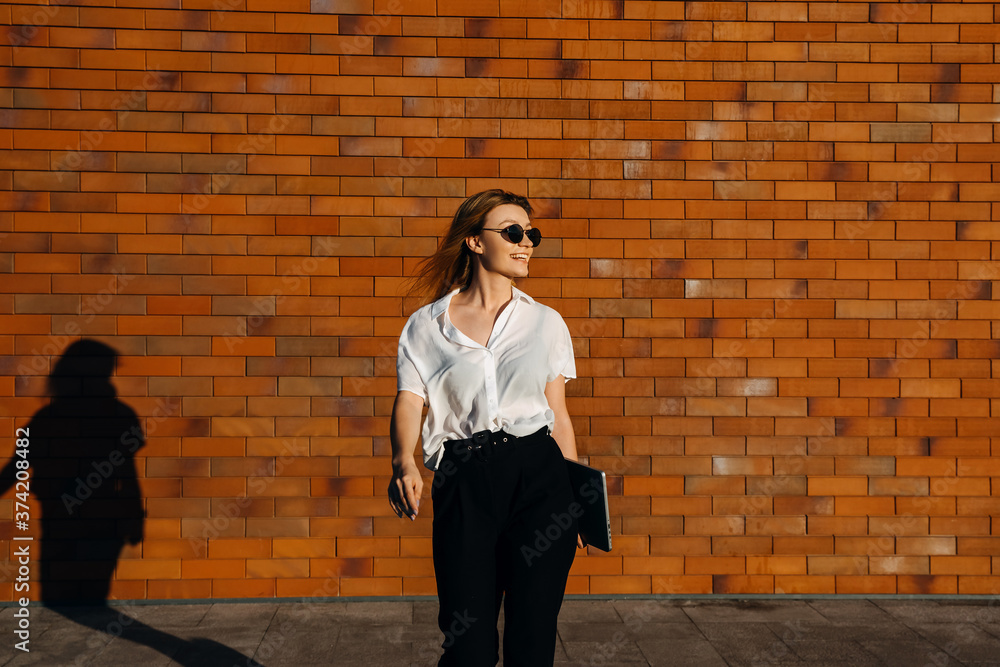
x: 468, y: 387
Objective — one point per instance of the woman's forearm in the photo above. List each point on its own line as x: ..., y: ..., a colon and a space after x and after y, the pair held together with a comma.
x: 562, y: 429
x: 404, y: 427
x: 563, y: 434
x: 406, y: 486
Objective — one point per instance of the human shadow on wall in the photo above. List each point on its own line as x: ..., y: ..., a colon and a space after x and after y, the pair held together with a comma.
x: 81, y: 450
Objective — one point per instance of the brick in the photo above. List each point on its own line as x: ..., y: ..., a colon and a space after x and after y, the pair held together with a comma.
x: 805, y: 209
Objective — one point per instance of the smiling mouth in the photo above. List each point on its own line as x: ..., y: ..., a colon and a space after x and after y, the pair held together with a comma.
x: 520, y: 257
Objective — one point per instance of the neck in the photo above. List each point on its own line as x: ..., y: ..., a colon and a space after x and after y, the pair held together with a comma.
x: 488, y: 291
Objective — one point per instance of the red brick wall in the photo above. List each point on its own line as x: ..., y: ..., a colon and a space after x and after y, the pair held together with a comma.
x: 770, y: 226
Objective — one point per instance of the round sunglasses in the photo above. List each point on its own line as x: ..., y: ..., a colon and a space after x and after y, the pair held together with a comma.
x: 515, y: 233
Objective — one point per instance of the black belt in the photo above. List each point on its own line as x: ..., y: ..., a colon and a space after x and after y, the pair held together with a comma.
x: 484, y: 443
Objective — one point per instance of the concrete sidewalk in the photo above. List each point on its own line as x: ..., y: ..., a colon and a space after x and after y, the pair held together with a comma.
x: 694, y: 632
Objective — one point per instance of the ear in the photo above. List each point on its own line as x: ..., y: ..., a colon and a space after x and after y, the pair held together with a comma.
x: 474, y: 245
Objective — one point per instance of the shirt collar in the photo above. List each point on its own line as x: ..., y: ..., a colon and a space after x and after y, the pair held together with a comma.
x: 439, y: 307
x: 518, y: 294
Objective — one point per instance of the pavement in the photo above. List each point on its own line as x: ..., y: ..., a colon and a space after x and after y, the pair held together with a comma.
x: 707, y: 632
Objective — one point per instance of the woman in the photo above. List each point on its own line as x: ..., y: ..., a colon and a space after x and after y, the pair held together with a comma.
x: 491, y: 365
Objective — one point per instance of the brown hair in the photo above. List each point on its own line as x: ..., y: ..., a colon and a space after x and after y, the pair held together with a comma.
x: 451, y: 265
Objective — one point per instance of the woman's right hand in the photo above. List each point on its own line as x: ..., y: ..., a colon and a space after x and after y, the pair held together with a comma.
x: 404, y: 432
x: 405, y: 488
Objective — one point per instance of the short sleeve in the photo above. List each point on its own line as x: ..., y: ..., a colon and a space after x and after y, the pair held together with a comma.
x: 561, y: 360
x: 407, y: 376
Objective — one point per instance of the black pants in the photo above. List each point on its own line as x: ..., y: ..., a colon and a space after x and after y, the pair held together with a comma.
x: 503, y: 532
